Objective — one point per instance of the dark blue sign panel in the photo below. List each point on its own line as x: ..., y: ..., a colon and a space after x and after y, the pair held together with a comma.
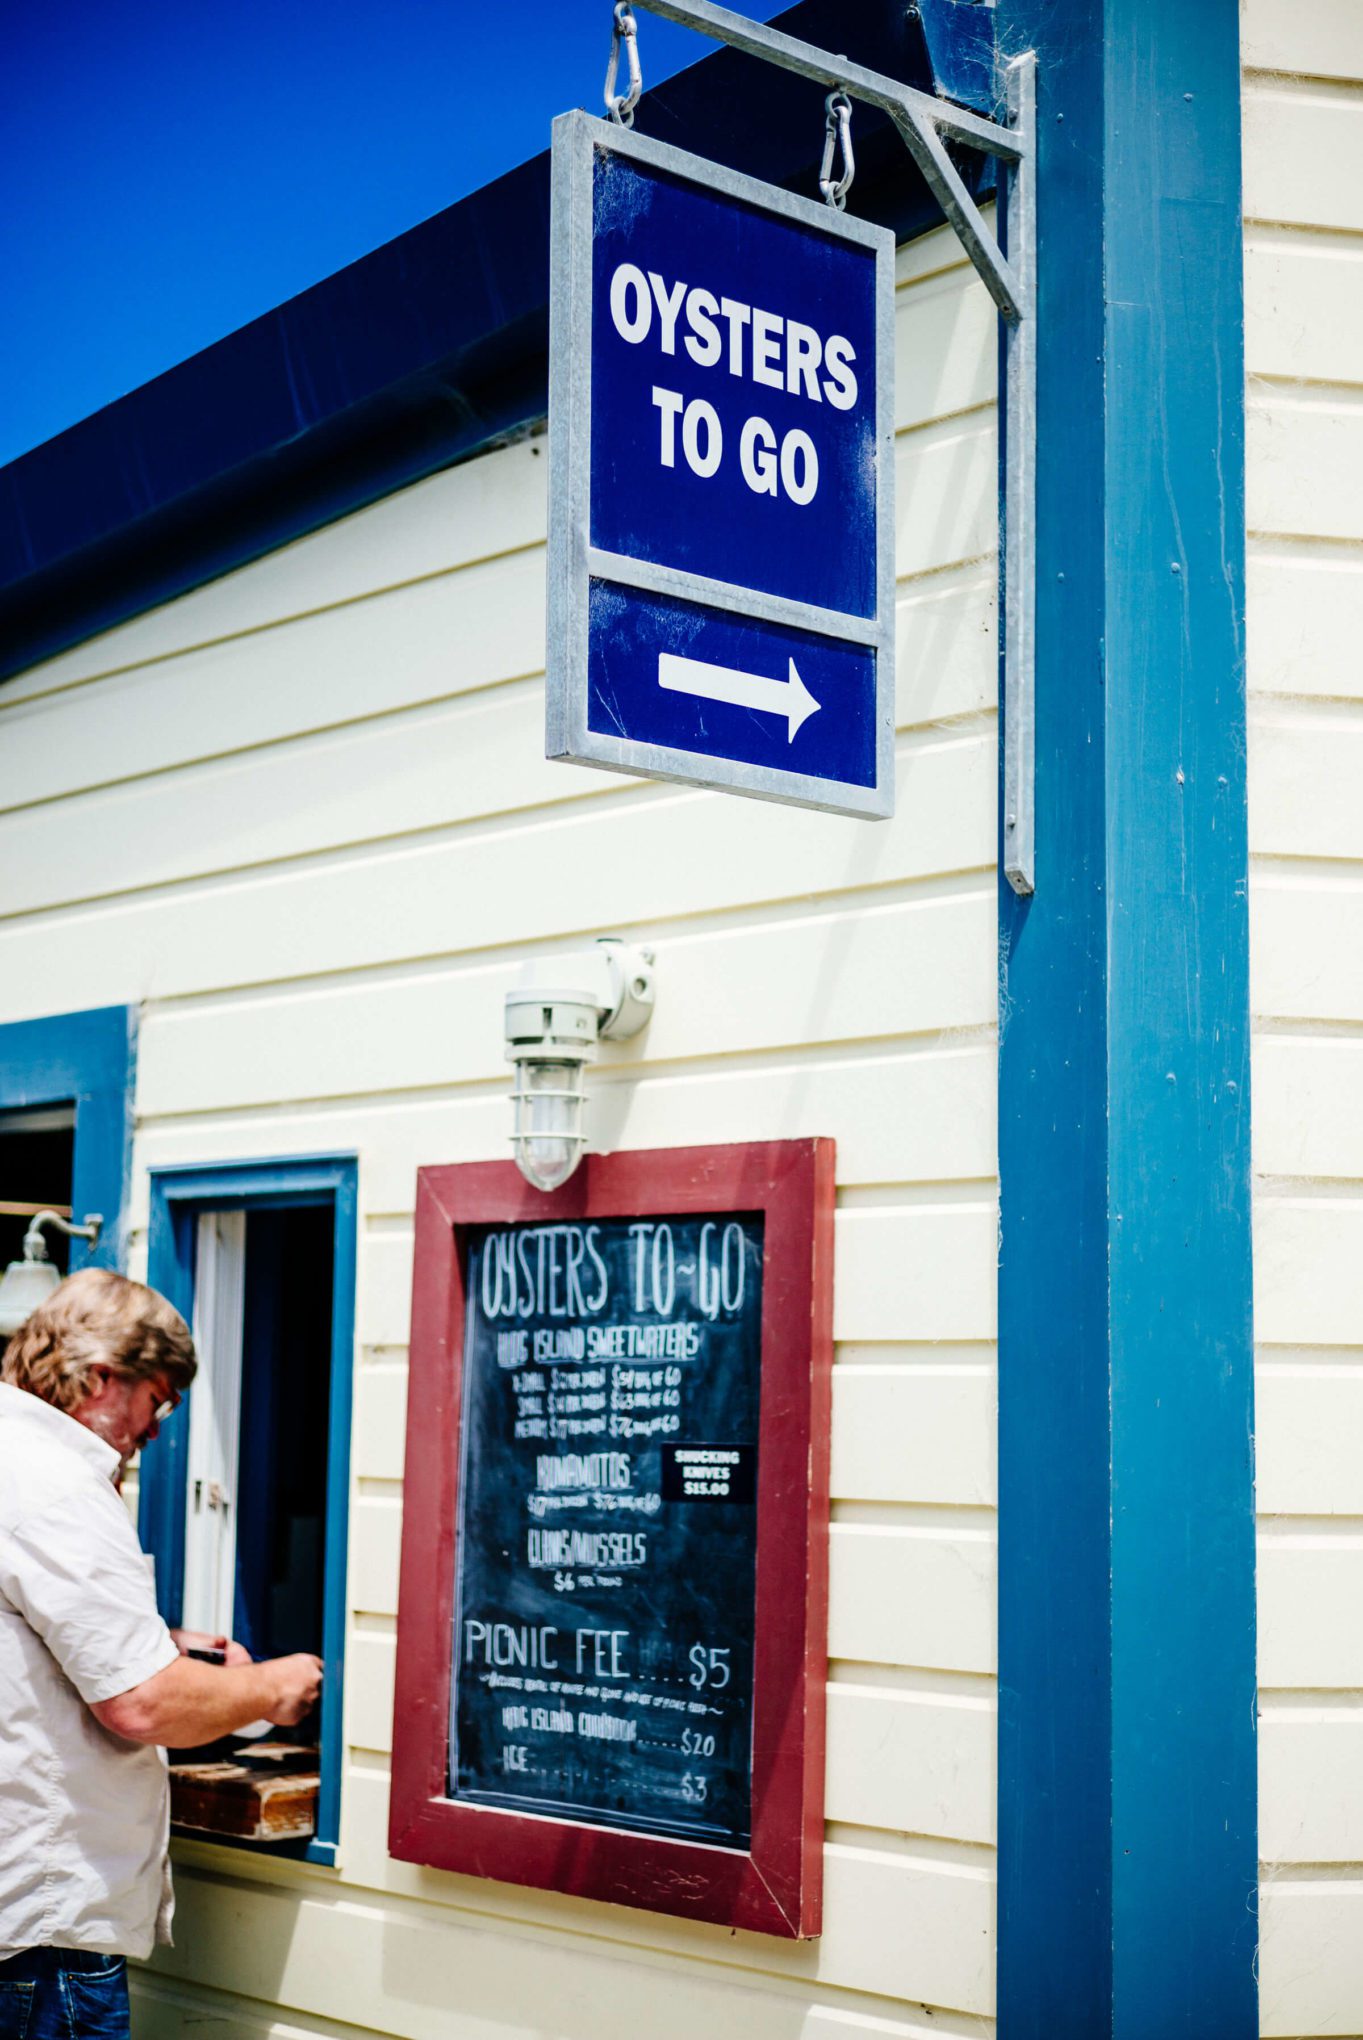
x: 721, y: 571
x: 733, y: 391
x: 603, y: 1647
x: 694, y: 679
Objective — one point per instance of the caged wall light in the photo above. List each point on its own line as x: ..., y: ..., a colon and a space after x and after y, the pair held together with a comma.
x: 27, y: 1283
x: 556, y: 1015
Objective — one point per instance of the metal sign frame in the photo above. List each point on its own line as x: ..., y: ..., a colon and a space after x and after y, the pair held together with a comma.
x: 574, y: 563
x: 1007, y: 265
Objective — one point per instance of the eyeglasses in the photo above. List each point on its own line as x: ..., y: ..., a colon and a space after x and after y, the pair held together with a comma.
x: 166, y: 1408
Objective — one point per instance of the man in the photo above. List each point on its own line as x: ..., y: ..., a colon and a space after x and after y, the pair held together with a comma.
x: 92, y: 1683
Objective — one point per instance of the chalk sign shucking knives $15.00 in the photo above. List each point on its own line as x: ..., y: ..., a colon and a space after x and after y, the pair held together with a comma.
x: 721, y: 572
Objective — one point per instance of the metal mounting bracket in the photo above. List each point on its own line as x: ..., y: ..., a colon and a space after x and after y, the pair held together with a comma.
x: 1007, y: 266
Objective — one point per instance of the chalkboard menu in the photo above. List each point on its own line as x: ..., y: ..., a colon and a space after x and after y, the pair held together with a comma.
x: 612, y: 1614
x: 604, y: 1606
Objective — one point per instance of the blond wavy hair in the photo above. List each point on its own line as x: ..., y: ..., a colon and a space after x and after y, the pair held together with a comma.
x: 96, y: 1318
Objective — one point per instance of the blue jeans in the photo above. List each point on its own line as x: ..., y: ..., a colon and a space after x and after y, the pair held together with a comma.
x: 63, y: 1994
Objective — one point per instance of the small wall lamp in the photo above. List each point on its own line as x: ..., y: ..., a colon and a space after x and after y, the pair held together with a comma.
x: 559, y: 1011
x: 27, y: 1283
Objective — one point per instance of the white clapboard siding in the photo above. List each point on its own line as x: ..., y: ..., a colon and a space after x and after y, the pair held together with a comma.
x: 922, y: 1594
x: 1311, y: 1605
x: 375, y: 1544
x: 1306, y: 763
x: 1303, y: 447
x: 925, y: 1115
x: 1306, y: 943
x: 921, y: 1273
x: 164, y: 2009
x: 883, y: 1899
x: 434, y: 768
x: 1308, y: 1425
x: 946, y: 494
x: 368, y: 782
x: 392, y: 1967
x: 379, y: 1421
x: 946, y: 358
x: 917, y: 1924
x: 400, y: 651
x: 1308, y: 1105
x: 946, y: 635
x: 1310, y: 1955
x: 1303, y: 144
x: 1323, y: 39
x: 439, y: 639
x: 325, y: 840
x: 481, y: 511
x: 408, y: 673
x: 371, y: 1662
x: 1308, y: 1269
x: 383, y: 1302
x: 640, y: 858
x: 922, y: 1762
x: 1303, y: 154
x: 1303, y: 305
x: 913, y: 966
x: 457, y: 634
x: 1303, y: 610
x: 1311, y: 1778
x: 914, y: 1433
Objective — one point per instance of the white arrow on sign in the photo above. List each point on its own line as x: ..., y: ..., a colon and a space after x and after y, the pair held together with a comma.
x: 790, y: 698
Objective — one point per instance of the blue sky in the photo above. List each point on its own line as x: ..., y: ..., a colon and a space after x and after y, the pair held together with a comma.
x: 172, y: 170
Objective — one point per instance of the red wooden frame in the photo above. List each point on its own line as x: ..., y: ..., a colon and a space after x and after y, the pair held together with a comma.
x: 776, y: 1886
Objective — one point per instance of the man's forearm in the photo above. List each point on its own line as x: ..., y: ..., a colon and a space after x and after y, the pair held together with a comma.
x: 190, y: 1703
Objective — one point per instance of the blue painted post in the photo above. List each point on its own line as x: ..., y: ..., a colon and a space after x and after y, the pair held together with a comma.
x: 1127, y: 1832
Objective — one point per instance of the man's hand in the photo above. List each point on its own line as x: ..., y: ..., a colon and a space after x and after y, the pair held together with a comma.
x: 186, y: 1640
x: 300, y: 1682
x: 190, y: 1703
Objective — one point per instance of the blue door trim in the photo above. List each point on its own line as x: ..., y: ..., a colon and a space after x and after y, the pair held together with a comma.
x: 178, y: 1196
x: 1127, y: 1770
x: 88, y: 1059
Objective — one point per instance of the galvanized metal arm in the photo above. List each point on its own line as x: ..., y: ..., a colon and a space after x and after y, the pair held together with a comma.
x: 1008, y: 270
x: 920, y: 119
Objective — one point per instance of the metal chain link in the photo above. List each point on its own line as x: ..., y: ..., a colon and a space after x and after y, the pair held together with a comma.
x: 620, y: 106
x: 837, y: 132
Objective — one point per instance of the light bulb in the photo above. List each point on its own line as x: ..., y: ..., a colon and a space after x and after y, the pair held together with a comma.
x: 548, y: 1132
x: 24, y: 1285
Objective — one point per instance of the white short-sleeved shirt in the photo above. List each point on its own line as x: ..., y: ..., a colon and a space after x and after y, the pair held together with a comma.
x: 84, y: 1816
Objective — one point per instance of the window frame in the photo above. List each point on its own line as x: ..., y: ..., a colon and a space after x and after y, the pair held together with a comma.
x: 179, y: 1195
x: 86, y: 1059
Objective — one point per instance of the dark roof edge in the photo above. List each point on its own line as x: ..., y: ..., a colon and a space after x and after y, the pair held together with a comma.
x: 430, y: 349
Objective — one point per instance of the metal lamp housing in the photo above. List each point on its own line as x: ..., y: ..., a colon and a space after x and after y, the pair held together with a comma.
x: 556, y: 1015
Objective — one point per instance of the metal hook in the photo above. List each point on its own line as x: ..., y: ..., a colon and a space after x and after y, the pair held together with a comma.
x: 621, y: 107
x: 837, y: 130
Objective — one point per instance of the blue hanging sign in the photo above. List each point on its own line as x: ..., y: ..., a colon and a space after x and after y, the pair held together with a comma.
x: 721, y: 524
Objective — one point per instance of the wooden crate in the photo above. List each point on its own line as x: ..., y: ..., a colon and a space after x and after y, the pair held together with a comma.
x: 244, y: 1801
